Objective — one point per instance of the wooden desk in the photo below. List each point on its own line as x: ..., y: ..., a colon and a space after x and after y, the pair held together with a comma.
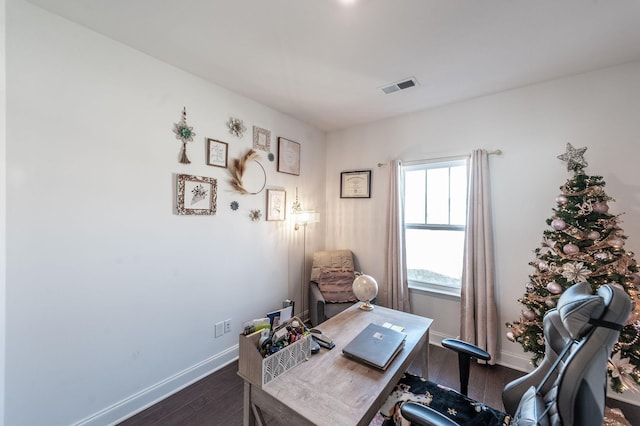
x: 331, y: 389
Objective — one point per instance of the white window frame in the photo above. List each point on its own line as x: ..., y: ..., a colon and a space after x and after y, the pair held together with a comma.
x: 423, y: 286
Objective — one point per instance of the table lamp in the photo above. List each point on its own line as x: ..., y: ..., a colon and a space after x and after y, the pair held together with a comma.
x: 365, y: 288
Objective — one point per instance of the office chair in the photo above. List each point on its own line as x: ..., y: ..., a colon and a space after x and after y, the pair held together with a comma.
x: 567, y: 388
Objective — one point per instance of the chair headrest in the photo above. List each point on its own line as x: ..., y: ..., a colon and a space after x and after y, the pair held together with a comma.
x: 577, y: 306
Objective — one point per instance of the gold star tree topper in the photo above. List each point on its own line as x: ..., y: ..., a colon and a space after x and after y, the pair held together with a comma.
x: 574, y: 158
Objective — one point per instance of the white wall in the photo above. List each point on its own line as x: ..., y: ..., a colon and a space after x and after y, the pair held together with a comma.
x: 531, y: 125
x: 3, y: 204
x: 111, y: 297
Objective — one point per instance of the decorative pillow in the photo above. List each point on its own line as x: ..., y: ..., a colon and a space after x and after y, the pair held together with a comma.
x: 336, y: 284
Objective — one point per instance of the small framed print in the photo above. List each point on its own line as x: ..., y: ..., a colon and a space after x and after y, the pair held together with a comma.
x: 288, y: 157
x: 355, y: 184
x: 261, y: 139
x: 217, y: 153
x: 197, y: 195
x: 276, y: 204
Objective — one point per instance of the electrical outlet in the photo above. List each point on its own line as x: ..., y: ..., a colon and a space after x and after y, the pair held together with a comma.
x: 219, y: 329
x: 227, y: 326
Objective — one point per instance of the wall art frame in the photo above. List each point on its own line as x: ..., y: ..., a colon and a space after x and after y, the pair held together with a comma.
x: 217, y: 153
x: 276, y: 204
x: 197, y: 195
x: 355, y: 184
x: 288, y: 156
x: 261, y: 139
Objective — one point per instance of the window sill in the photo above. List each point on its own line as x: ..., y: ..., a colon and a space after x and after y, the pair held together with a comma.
x: 435, y: 290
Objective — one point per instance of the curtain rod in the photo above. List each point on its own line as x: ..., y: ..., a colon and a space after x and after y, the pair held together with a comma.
x: 495, y: 152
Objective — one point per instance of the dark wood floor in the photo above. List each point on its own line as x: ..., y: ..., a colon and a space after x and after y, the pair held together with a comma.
x: 217, y: 399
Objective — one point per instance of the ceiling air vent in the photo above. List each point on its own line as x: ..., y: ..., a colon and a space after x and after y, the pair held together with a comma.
x: 400, y: 85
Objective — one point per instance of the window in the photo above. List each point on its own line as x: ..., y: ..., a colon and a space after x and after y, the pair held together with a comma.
x: 435, y: 197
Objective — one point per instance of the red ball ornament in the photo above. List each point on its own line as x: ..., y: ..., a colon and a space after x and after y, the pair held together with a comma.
x: 558, y: 224
x: 571, y: 249
x: 554, y: 287
x: 593, y: 235
x: 600, y: 207
x: 528, y: 314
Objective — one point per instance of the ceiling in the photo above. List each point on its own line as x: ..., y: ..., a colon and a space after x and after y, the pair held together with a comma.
x: 324, y: 61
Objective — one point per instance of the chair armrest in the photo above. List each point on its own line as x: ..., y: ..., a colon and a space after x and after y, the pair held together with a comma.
x: 466, y: 351
x: 316, y: 304
x: 422, y: 415
x: 466, y: 348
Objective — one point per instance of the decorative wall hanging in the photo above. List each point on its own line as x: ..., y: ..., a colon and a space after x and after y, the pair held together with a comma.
x: 255, y: 215
x: 217, y: 153
x: 276, y: 204
x: 197, y: 195
x: 247, y: 174
x: 184, y: 133
x: 288, y: 157
x: 261, y: 139
x: 356, y: 184
x: 236, y: 127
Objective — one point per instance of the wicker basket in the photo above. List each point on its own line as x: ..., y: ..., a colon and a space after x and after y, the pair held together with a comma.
x: 259, y: 370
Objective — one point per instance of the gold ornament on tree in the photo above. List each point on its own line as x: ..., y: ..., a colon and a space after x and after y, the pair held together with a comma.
x: 184, y: 133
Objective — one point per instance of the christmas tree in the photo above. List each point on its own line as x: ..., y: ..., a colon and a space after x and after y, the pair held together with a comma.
x: 584, y: 243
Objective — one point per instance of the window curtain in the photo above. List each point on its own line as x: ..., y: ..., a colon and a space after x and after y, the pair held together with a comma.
x: 394, y: 292
x: 478, y: 323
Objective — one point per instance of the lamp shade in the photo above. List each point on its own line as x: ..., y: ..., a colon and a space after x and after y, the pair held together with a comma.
x: 365, y: 288
x: 307, y: 216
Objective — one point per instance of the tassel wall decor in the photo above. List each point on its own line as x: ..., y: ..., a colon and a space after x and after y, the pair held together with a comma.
x: 184, y: 133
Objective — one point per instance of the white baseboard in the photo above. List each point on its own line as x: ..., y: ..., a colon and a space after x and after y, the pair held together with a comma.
x: 153, y: 394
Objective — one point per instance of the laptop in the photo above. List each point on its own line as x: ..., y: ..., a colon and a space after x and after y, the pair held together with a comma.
x: 376, y: 346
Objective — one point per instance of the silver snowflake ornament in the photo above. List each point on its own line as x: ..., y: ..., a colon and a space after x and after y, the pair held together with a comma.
x: 236, y: 127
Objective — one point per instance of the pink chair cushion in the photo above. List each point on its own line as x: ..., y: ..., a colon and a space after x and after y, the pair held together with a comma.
x: 336, y: 284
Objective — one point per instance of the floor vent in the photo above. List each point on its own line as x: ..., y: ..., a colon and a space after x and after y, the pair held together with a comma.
x: 400, y: 85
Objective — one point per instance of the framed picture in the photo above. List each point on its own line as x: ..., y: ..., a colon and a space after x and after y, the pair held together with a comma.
x: 261, y: 139
x: 276, y: 204
x: 288, y: 157
x: 197, y: 195
x: 356, y: 184
x: 217, y: 153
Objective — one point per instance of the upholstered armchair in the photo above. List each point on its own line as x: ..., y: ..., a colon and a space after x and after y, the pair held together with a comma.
x: 332, y: 275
